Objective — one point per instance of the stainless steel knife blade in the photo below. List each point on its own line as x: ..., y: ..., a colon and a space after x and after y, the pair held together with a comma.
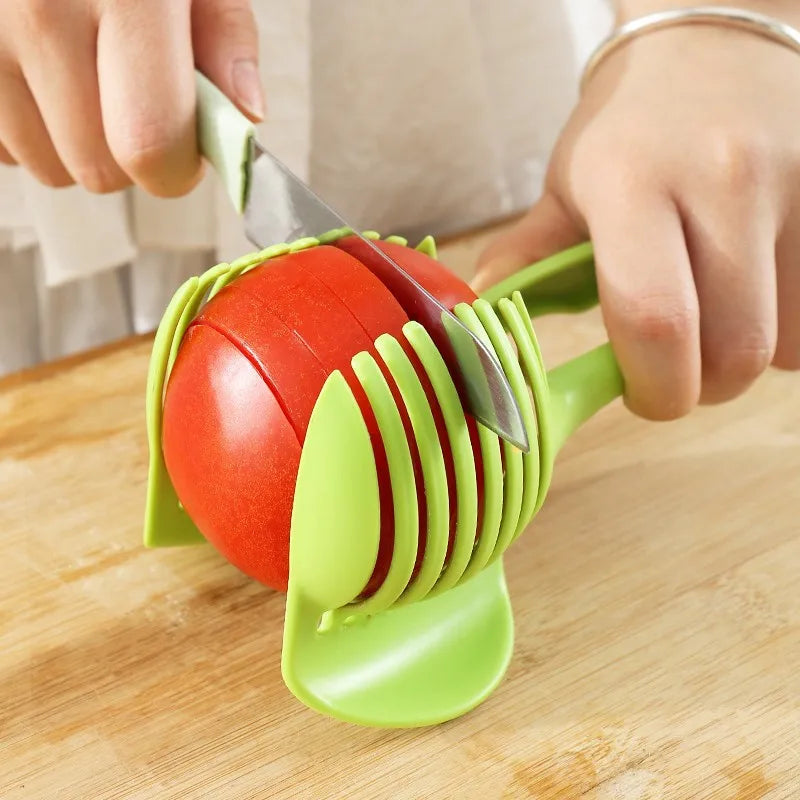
x: 279, y: 207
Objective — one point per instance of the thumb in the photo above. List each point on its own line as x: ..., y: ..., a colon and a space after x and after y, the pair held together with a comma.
x: 225, y: 42
x: 546, y: 229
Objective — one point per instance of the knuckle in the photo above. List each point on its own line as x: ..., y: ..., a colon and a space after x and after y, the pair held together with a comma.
x: 144, y: 145
x: 236, y: 18
x: 738, y: 161
x: 738, y: 363
x: 98, y: 178
x: 611, y: 177
x: 39, y: 16
x: 659, y: 319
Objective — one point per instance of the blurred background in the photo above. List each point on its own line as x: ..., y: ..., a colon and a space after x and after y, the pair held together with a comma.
x: 409, y: 118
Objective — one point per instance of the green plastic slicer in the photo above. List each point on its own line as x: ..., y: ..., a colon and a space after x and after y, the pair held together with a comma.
x: 426, y: 649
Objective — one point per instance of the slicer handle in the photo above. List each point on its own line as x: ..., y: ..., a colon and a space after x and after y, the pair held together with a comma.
x: 224, y: 135
x: 566, y: 282
x: 581, y: 387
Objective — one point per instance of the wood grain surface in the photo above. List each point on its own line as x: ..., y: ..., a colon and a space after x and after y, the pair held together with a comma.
x: 656, y: 599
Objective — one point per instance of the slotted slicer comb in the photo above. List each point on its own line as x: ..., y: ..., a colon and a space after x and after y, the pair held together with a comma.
x: 428, y: 647
x: 426, y: 651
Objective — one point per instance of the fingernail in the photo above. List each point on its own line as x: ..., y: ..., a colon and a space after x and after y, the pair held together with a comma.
x: 247, y: 87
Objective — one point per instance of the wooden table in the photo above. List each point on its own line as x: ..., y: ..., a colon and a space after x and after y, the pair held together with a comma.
x: 656, y: 597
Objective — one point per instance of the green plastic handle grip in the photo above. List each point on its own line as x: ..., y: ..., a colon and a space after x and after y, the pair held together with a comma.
x: 224, y: 135
x: 566, y: 283
x: 581, y: 387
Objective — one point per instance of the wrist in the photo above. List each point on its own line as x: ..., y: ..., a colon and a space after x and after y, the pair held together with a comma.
x: 707, y: 20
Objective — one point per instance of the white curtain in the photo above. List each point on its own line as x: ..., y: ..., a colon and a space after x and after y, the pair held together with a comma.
x: 410, y: 117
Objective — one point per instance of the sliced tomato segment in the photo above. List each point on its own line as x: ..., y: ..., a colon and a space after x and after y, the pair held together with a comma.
x: 287, y: 364
x: 231, y: 454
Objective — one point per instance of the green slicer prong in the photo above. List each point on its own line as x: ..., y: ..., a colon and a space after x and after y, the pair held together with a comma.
x: 434, y: 650
x: 567, y: 396
x: 402, y: 667
x: 336, y: 512
x: 512, y: 479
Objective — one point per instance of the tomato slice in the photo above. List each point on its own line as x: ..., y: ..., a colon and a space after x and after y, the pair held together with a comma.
x: 231, y: 454
x: 367, y: 299
x: 285, y: 361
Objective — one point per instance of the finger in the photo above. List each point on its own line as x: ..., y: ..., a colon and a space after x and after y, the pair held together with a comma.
x: 731, y: 243
x: 787, y: 353
x: 225, y: 40
x: 69, y: 98
x: 546, y: 229
x: 24, y: 136
x: 649, y: 301
x: 146, y: 77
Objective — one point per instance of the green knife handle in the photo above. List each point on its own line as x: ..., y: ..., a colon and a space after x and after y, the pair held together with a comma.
x: 566, y: 282
x: 224, y: 135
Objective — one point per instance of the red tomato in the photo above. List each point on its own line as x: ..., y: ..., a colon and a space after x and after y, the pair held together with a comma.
x: 232, y: 450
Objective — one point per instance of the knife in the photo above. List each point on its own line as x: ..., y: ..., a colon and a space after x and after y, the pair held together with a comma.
x: 278, y: 207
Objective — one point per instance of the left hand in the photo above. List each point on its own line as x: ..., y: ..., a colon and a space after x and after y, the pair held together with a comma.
x: 681, y: 163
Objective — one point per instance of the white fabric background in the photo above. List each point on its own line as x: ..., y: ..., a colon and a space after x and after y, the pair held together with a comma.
x: 410, y: 117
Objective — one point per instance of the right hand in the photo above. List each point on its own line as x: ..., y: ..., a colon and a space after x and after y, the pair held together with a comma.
x: 101, y: 92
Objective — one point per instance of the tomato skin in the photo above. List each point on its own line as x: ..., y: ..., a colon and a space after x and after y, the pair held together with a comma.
x: 273, y: 315
x: 245, y: 382
x: 431, y: 274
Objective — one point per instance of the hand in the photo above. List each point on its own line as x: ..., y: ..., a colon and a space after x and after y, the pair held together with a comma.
x: 101, y: 92
x: 681, y: 162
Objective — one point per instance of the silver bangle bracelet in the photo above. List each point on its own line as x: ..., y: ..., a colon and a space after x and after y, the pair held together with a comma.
x: 752, y: 21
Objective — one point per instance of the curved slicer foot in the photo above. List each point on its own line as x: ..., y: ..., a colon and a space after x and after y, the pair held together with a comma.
x: 414, y: 665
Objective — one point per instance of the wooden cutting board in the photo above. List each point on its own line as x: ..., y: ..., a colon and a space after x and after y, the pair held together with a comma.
x: 656, y: 598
